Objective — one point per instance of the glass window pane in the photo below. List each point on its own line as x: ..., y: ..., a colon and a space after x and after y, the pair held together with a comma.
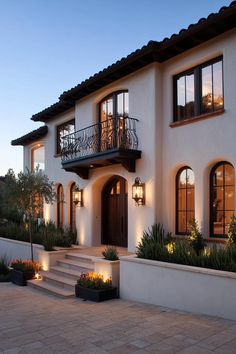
x: 190, y: 178
x: 229, y: 175
x: 182, y: 179
x: 190, y: 199
x: 218, y: 176
x: 207, y: 89
x: 118, y: 187
x: 218, y: 85
x: 229, y: 198
x: 182, y: 222
x: 189, y: 104
x: 228, y: 215
x: 109, y: 108
x: 120, y: 104
x: 38, y: 159
x: 182, y: 199
x: 181, y: 97
x: 218, y: 224
x: 218, y: 199
x: 126, y: 104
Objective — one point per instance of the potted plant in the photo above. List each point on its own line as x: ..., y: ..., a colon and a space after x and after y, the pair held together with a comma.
x: 23, y: 270
x: 93, y: 287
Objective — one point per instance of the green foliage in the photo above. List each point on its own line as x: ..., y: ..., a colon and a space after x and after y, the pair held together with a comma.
x: 46, y: 234
x: 4, y: 270
x: 152, y: 244
x: 231, y: 231
x: 195, y: 237
x: 155, y: 246
x: 110, y: 253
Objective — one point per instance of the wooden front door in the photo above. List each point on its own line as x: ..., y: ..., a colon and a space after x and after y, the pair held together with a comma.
x: 115, y: 212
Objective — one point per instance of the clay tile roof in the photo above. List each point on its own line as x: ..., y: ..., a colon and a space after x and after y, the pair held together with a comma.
x: 31, y: 137
x: 200, y: 32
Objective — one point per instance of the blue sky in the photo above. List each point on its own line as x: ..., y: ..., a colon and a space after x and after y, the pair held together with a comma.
x: 49, y: 46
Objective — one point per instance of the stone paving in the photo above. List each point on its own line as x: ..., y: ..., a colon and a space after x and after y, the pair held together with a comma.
x: 34, y: 322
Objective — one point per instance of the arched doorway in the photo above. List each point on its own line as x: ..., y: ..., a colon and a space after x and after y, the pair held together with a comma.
x: 115, y: 212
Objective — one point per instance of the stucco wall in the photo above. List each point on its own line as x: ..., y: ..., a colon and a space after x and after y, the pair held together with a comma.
x: 164, y: 149
x: 198, y: 145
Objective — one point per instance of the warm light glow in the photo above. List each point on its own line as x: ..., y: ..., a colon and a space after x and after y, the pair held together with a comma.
x: 78, y: 196
x: 170, y: 247
x: 46, y: 213
x: 138, y: 192
x: 38, y: 276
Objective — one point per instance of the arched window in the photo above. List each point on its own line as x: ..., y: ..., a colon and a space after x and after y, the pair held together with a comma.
x: 184, y: 199
x: 222, y: 198
x: 72, y: 208
x: 60, y: 204
x: 113, y: 111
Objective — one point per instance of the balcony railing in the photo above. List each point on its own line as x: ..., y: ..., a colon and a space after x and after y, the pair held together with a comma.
x: 117, y: 133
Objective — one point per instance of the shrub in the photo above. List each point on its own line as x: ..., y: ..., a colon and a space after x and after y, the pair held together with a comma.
x: 153, y: 242
x: 48, y: 234
x: 110, y: 253
x: 195, y: 238
x: 231, y: 232
x: 26, y: 266
x: 94, y: 281
x: 4, y: 270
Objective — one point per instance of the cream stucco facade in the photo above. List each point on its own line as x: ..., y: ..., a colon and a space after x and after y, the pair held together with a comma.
x: 199, y: 145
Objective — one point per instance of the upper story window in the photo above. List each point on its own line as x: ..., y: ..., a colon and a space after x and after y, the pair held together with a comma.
x: 38, y: 158
x: 115, y: 105
x: 199, y: 90
x: 62, y: 130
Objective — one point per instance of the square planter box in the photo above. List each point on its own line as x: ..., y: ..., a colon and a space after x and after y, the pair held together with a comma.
x: 20, y: 278
x: 95, y: 295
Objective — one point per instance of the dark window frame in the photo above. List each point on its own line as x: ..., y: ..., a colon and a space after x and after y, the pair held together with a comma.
x: 177, y: 200
x: 212, y: 190
x: 112, y: 95
x: 58, y: 127
x: 72, y: 208
x: 196, y: 71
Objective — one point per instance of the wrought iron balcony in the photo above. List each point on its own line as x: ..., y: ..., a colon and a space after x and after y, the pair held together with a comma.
x: 108, y: 142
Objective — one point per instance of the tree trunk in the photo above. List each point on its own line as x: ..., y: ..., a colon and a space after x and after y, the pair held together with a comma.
x: 30, y: 235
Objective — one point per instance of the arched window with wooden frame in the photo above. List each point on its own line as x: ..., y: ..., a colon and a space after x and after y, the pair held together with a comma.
x: 222, y: 198
x: 113, y: 111
x: 72, y: 208
x: 60, y: 205
x: 185, y: 199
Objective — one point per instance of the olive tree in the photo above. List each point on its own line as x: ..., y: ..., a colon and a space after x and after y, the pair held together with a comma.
x: 28, y: 192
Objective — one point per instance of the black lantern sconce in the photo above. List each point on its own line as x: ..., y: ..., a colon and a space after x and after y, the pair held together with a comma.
x: 138, y: 192
x: 78, y: 197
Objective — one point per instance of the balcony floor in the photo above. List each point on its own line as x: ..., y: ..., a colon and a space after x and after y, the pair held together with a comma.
x: 82, y: 164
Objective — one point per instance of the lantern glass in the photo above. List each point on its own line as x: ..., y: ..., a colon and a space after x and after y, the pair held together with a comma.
x: 78, y: 196
x: 138, y: 191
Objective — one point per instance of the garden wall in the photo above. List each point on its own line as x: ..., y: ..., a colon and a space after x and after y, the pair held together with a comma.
x: 198, y: 290
x: 14, y: 249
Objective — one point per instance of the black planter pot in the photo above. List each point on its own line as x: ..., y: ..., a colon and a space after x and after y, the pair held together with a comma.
x: 95, y: 295
x: 20, y: 278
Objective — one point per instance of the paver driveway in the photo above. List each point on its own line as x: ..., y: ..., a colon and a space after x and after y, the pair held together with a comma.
x: 33, y: 322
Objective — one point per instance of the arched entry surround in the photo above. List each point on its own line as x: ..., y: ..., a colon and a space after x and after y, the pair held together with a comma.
x: 91, y: 224
x: 114, y: 221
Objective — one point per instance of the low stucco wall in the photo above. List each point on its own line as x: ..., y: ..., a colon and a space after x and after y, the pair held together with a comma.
x: 14, y: 249
x: 198, y: 290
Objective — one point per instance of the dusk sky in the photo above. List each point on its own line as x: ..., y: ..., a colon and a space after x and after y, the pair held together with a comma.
x: 49, y: 46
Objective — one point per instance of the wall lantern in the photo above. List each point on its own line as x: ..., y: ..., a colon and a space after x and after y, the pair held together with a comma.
x: 138, y: 192
x: 78, y: 196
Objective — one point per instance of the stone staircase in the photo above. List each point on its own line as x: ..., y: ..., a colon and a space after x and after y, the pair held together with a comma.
x: 61, y: 279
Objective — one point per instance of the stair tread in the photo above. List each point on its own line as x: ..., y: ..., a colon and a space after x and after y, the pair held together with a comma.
x: 51, y: 288
x: 66, y: 270
x: 59, y: 278
x: 76, y: 263
x: 81, y: 256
